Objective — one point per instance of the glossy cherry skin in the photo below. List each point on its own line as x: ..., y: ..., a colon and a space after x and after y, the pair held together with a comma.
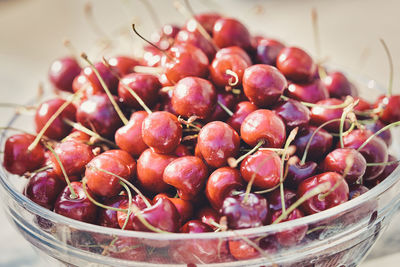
x: 108, y: 218
x: 385, y: 135
x: 338, y: 196
x: 391, y: 108
x: 184, y: 207
x: 320, y: 144
x: 195, y: 226
x: 181, y: 151
x: 79, y: 208
x: 129, y: 137
x: 150, y: 169
x: 267, y: 51
x: 117, y: 162
x: 385, y: 173
x: 245, y: 214
x: 274, y: 199
x: 232, y: 62
x: 298, y: 172
x: 58, y: 128
x: 265, y: 125
x: 193, y: 37
x: 43, y: 188
x: 122, y: 216
x: 151, y: 56
x: 73, y: 155
x: 290, y: 237
x: 162, y: 132
x: 62, y: 73
x: 207, y: 20
x: 293, y: 113
x: 234, y: 50
x: 264, y: 167
x: 86, y: 87
x: 105, y: 72
x: 374, y: 152
x: 184, y: 61
x: 242, y: 109
x: 217, y: 142
x: 98, y: 114
x: 228, y: 100
x: 221, y: 183
x: 230, y: 32
x: 338, y: 85
x: 123, y: 65
x: 310, y: 92
x: 296, y: 64
x: 78, y: 136
x: 194, y: 96
x: 263, y: 84
x: 188, y: 175
x: 335, y: 161
x: 18, y: 159
x: 146, y: 86
x: 357, y: 190
x: 320, y: 114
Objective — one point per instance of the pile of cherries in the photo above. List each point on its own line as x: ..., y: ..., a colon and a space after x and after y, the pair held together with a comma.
x: 226, y: 131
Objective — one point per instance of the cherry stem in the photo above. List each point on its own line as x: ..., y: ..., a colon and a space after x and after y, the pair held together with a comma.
x: 154, y: 16
x: 129, y: 203
x: 346, y: 111
x: 73, y: 194
x: 377, y: 133
x: 188, y: 123
x: 106, y: 89
x: 389, y: 56
x: 383, y: 163
x: 137, y: 97
x: 225, y: 108
x: 311, y: 105
x: 233, y: 163
x: 234, y: 79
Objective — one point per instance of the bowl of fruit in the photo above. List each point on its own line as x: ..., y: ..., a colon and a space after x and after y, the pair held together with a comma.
x: 216, y: 148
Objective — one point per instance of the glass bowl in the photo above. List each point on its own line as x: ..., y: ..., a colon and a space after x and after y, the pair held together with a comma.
x: 341, y: 236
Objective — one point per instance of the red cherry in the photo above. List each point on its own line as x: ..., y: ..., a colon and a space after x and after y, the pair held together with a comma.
x: 181, y: 151
x: 385, y: 135
x: 241, y: 111
x: 123, y: 65
x: 230, y: 32
x: 58, y: 128
x: 298, y: 172
x: 288, y: 238
x: 385, y: 173
x: 62, y: 73
x: 263, y: 85
x: 207, y: 20
x: 151, y: 56
x: 391, y: 108
x: 268, y: 50
x: 338, y: 85
x: 107, y: 217
x: 310, y: 92
x: 86, y: 87
x: 319, y: 146
x: 320, y: 114
x: 208, y: 215
x: 357, y: 190
x: 108, y: 76
x: 217, y: 142
x: 293, y: 113
x: 188, y: 175
x: 193, y: 37
x: 78, y: 136
x: 228, y: 100
x: 232, y: 62
x: 234, y: 50
x: 121, y: 216
x: 18, y: 159
x: 296, y: 64
x: 162, y: 132
x: 275, y: 201
x: 184, y: 207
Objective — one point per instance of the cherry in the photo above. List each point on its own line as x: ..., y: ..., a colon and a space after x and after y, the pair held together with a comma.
x: 357, y: 190
x: 151, y: 56
x: 337, y: 192
x: 385, y: 173
x: 43, y: 188
x: 267, y: 51
x: 18, y: 159
x: 319, y: 146
x: 385, y: 135
x: 263, y: 125
x: 79, y: 208
x: 208, y: 215
x: 293, y: 236
x: 184, y: 207
x: 181, y: 151
x: 338, y: 85
x: 230, y: 32
x: 128, y: 249
x: 146, y: 86
x: 275, y: 201
x: 298, y: 172
x: 245, y: 211
x: 242, y: 109
x: 296, y: 64
x: 58, y: 129
x: 105, y: 72
x: 195, y: 226
x: 193, y: 37
x: 207, y: 20
x: 310, y: 92
x: 234, y: 50
x: 150, y: 169
x: 390, y: 108
x: 194, y: 96
x: 62, y: 73
x: 184, y: 61
x: 168, y: 33
x: 122, y: 216
x: 83, y: 85
x: 108, y: 217
x: 122, y: 64
x: 162, y: 132
x: 219, y: 114
x: 117, y: 162
x: 129, y: 137
x: 188, y: 175
x: 217, y: 142
x: 293, y: 113
x: 263, y: 84
x: 221, y: 183
x: 322, y: 113
x: 97, y: 113
x: 263, y: 167
x: 232, y: 62
x: 78, y: 136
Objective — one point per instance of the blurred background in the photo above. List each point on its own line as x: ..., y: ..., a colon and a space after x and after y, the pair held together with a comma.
x: 32, y: 34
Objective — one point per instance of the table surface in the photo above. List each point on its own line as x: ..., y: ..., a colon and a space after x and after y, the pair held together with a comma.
x: 31, y: 35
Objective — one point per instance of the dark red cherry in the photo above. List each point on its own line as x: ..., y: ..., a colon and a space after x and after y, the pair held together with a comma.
x: 385, y: 135
x: 362, y: 105
x: 298, y: 172
x: 221, y: 183
x: 146, y: 86
x: 241, y: 111
x: 374, y: 152
x: 79, y: 208
x: 321, y: 143
x: 338, y: 85
x: 85, y: 87
x: 121, y: 215
x: 336, y: 160
x: 181, y: 151
x: 129, y: 137
x: 107, y: 217
x: 195, y: 226
x: 357, y: 190
x: 123, y: 65
x: 207, y: 20
x: 263, y: 125
x: 245, y: 213
x: 268, y: 51
x: 316, y: 204
x: 98, y: 114
x: 193, y: 37
x: 320, y: 114
x: 275, y: 202
x: 228, y: 100
x: 62, y: 72
x: 291, y: 237
x: 264, y: 167
x: 78, y: 136
x: 167, y: 33
x: 296, y: 64
x: 184, y: 207
x: 390, y: 108
x: 58, y: 128
x: 151, y: 56
x: 293, y: 113
x: 385, y: 173
x: 230, y: 32
x: 208, y: 215
x: 263, y: 84
x: 43, y: 188
x: 232, y: 62
x: 234, y: 50
x: 162, y: 132
x: 310, y: 92
x: 150, y: 169
x: 188, y: 175
x: 18, y: 159
x: 217, y: 142
x: 106, y: 73
x: 194, y: 96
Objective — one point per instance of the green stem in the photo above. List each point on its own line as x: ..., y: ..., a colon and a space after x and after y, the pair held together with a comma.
x: 377, y: 133
x: 129, y: 204
x: 225, y: 108
x: 234, y: 163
